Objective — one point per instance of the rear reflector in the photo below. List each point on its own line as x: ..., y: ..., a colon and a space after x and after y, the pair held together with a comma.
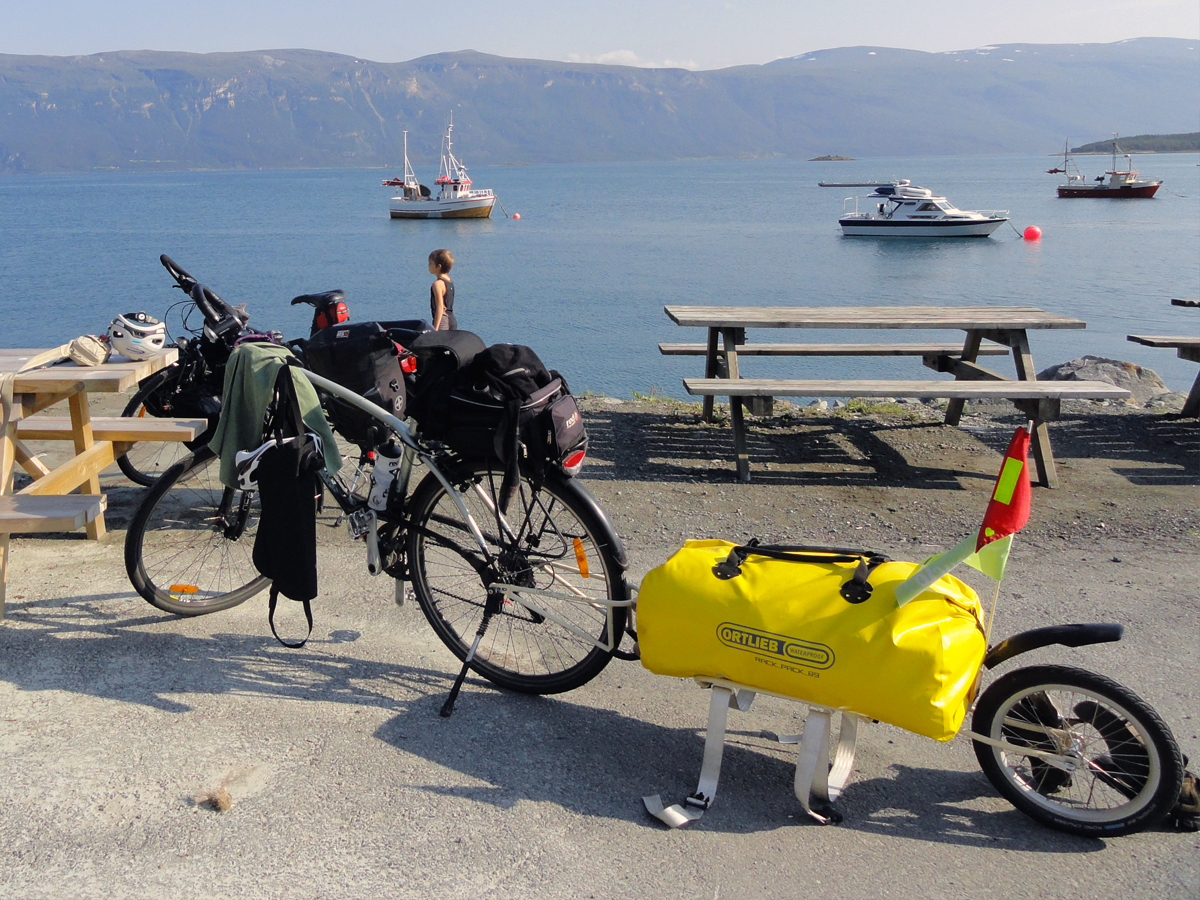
x: 581, y: 557
x: 574, y: 462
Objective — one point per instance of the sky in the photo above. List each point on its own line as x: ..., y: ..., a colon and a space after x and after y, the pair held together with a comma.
x: 691, y: 34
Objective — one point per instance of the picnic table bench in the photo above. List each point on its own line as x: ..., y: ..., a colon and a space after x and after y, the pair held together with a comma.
x: 989, y: 330
x: 1187, y: 347
x: 48, y: 503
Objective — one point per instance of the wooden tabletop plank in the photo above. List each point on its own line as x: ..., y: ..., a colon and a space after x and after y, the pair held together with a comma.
x: 12, y: 359
x: 60, y: 380
x: 962, y: 317
x: 1163, y: 340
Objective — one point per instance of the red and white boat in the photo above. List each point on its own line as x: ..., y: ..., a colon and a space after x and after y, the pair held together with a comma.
x: 455, y: 199
x: 1122, y: 183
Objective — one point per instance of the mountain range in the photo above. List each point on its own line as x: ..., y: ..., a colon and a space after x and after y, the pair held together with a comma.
x: 139, y: 110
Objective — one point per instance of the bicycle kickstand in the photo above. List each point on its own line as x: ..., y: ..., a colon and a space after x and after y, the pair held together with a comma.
x: 490, y: 608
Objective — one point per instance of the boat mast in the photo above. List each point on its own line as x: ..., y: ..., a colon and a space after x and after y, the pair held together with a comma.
x: 452, y: 171
x: 1128, y: 159
x: 410, y: 177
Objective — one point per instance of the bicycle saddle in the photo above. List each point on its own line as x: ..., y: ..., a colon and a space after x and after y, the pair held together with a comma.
x: 321, y: 298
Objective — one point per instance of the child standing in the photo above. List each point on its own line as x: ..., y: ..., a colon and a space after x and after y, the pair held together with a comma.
x: 441, y: 292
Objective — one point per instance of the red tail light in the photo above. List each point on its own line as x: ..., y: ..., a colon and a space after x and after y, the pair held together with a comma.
x: 574, y: 462
x: 408, y: 359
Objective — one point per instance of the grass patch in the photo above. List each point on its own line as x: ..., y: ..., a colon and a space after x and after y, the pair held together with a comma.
x: 869, y: 407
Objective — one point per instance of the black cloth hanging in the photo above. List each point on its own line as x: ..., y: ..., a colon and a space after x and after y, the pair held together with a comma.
x: 285, y: 547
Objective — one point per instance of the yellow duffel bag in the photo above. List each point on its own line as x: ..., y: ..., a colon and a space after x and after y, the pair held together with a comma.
x: 817, y: 624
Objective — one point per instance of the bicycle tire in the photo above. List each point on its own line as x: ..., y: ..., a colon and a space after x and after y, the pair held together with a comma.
x: 177, y: 556
x: 1125, y: 766
x: 560, y: 543
x: 147, y: 460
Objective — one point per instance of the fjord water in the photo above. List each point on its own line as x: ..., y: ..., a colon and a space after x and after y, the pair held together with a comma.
x: 583, y: 275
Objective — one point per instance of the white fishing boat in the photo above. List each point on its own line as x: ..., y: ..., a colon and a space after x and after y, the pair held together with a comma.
x: 902, y: 209
x: 455, y: 199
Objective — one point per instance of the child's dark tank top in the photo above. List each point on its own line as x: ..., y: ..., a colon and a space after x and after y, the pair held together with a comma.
x: 448, y: 321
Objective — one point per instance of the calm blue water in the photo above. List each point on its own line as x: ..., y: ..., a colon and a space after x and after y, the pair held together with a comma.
x: 599, y: 250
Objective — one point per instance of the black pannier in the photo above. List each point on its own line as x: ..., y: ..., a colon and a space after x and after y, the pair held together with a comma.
x: 405, y: 331
x: 506, y: 405
x: 366, y: 359
x: 440, y: 357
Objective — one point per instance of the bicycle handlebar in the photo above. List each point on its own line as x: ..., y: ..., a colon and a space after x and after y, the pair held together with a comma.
x: 185, y: 281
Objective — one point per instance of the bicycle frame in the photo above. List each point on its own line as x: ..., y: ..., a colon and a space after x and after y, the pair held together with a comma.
x: 414, y: 450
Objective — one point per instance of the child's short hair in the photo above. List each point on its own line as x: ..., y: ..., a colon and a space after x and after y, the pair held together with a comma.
x: 443, y: 259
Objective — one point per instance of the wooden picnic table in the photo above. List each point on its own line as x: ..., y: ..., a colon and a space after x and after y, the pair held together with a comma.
x: 48, y: 503
x: 1186, y: 347
x: 989, y: 329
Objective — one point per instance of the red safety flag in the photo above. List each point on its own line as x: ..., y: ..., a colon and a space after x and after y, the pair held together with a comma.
x: 1007, y: 513
x: 1008, y: 510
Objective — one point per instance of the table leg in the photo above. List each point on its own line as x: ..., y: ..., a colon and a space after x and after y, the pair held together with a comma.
x: 730, y: 337
x: 8, y: 453
x: 81, y: 426
x: 3, y: 572
x: 737, y: 419
x: 710, y: 371
x: 1191, y: 406
x: 27, y: 461
x: 1039, y: 441
x: 970, y: 353
x: 738, y: 423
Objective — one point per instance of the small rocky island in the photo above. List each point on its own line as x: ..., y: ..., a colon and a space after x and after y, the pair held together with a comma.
x: 832, y: 159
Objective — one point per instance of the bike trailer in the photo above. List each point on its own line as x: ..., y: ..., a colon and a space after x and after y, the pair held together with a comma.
x: 817, y: 624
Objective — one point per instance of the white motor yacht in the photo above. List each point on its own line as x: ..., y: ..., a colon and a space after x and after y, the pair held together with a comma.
x: 905, y: 210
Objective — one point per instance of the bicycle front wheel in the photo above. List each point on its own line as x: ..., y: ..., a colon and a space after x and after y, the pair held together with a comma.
x: 188, y: 549
x: 147, y: 460
x: 552, y: 546
x: 1080, y: 752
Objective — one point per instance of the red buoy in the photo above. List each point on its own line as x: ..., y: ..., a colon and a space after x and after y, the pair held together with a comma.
x: 516, y: 215
x: 1033, y: 233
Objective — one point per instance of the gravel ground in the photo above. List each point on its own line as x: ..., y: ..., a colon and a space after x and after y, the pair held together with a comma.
x: 117, y: 720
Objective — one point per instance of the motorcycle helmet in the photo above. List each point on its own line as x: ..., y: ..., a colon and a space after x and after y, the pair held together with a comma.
x: 137, y: 335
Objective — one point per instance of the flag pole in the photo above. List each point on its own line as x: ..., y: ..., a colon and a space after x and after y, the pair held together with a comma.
x: 1007, y: 512
x: 991, y: 619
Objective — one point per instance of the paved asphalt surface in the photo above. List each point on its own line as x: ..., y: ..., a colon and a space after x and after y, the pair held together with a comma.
x: 116, y: 720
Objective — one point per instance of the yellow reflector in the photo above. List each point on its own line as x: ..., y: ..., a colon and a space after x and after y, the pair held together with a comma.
x: 581, y: 558
x: 183, y: 589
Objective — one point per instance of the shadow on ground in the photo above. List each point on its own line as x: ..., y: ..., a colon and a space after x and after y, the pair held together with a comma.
x: 671, y: 443
x: 597, y: 762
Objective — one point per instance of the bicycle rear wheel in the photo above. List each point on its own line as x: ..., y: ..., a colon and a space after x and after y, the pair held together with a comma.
x: 1080, y: 752
x: 156, y: 396
x: 188, y: 549
x: 552, y: 542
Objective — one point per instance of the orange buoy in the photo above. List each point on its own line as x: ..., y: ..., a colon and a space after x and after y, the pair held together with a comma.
x: 1033, y: 233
